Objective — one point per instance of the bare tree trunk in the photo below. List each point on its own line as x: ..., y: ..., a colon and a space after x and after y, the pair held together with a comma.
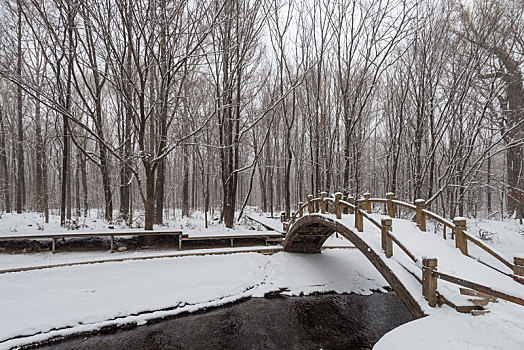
x: 206, y: 194
x: 70, y: 175
x: 159, y: 192
x: 262, y: 172
x: 77, y: 183
x: 41, y: 164
x: 3, y: 164
x: 227, y: 123
x: 162, y: 115
x: 185, y: 181
x: 150, y: 197
x: 83, y: 175
x: 104, y: 163
x: 417, y: 181
x: 20, y: 182
x: 65, y: 205
x: 64, y: 170
x: 125, y: 172
x: 125, y: 166
x: 488, y: 187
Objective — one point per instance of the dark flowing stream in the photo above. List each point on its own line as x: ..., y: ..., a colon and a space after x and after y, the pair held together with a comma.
x: 329, y: 321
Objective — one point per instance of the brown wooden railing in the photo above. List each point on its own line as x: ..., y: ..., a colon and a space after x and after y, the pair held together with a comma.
x: 362, y: 208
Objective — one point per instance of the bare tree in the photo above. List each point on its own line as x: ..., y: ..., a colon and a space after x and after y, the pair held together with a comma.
x: 496, y: 27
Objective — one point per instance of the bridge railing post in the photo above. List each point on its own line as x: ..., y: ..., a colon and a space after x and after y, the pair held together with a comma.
x: 367, y: 203
x: 460, y: 239
x: 338, y: 207
x: 351, y: 200
x: 429, y: 281
x: 518, y: 266
x: 323, y: 196
x: 359, y: 218
x: 293, y: 218
x: 387, y: 242
x: 300, y: 209
x: 389, y: 204
x: 310, y: 206
x: 420, y: 217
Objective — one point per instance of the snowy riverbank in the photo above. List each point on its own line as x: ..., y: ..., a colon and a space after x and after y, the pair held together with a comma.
x: 38, y: 305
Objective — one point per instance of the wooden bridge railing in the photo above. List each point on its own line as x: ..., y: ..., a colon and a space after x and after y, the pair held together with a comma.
x: 362, y: 208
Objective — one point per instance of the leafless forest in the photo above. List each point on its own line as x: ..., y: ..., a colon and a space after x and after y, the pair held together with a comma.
x: 145, y: 106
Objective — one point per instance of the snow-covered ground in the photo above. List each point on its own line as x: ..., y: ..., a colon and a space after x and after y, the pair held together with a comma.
x: 26, y: 224
x: 40, y: 304
x: 506, y: 236
x: 501, y: 329
x: 46, y: 303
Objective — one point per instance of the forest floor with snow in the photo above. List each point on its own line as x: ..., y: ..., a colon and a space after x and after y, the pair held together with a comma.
x: 41, y: 304
x: 31, y: 223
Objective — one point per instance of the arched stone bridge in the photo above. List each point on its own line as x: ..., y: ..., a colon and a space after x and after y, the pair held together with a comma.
x: 426, y: 270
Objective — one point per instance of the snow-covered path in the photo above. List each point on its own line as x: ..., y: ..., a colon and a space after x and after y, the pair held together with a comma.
x: 41, y: 304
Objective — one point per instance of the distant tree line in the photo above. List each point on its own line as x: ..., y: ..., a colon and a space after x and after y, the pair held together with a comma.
x: 155, y: 105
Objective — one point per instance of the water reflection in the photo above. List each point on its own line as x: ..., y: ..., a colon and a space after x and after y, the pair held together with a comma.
x: 331, y: 321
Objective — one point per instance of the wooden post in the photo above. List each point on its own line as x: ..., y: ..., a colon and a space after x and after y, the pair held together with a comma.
x: 323, y: 196
x: 367, y: 203
x: 293, y: 217
x: 300, y: 209
x: 53, y: 245
x: 310, y: 208
x: 359, y: 218
x: 112, y: 244
x: 351, y: 200
x: 285, y: 226
x: 518, y: 270
x: 518, y: 267
x: 338, y: 207
x: 420, y: 217
x: 460, y: 239
x: 387, y: 242
x: 429, y: 282
x: 390, y: 205
x: 345, y: 209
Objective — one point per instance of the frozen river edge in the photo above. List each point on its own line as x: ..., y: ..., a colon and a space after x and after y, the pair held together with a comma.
x: 43, y: 304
